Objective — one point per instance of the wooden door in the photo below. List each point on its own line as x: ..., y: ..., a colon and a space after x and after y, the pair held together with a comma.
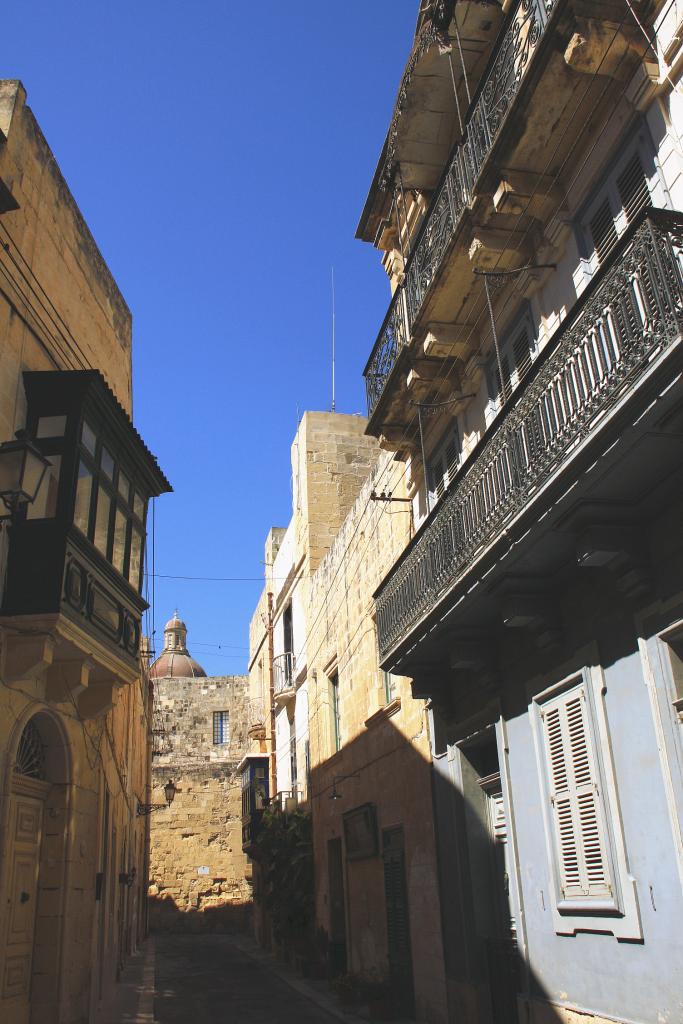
x: 335, y: 868
x: 25, y: 830
x: 398, y: 919
x: 503, y: 960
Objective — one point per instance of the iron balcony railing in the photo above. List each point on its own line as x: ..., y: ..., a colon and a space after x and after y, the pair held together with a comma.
x: 256, y: 716
x: 631, y: 311
x: 284, y: 666
x: 493, y: 101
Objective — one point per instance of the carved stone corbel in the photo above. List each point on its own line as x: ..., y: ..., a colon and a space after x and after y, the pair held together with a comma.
x: 26, y: 657
x: 617, y: 549
x: 67, y: 679
x: 97, y: 699
x: 534, y: 612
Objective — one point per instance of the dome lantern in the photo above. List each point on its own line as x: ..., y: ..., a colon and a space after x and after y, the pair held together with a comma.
x: 175, y: 660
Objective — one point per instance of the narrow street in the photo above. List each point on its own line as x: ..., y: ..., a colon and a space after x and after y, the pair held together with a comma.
x: 209, y: 979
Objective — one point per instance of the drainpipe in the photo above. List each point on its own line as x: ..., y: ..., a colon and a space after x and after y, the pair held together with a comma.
x: 271, y: 693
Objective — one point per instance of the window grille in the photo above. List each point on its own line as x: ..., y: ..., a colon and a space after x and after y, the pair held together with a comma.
x: 221, y: 727
x: 31, y: 753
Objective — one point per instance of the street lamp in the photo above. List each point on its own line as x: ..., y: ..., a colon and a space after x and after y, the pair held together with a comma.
x: 335, y: 794
x: 170, y: 790
x: 22, y: 468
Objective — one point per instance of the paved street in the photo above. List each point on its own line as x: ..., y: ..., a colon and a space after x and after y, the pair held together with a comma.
x: 208, y: 980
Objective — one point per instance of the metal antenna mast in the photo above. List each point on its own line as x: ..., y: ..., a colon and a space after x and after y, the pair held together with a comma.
x: 333, y: 340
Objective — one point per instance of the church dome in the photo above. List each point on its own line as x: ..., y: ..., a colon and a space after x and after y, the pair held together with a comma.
x: 175, y: 660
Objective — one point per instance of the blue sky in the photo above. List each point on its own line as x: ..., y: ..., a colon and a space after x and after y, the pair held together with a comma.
x: 221, y: 153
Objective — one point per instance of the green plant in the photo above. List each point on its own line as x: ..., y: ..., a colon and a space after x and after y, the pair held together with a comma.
x: 286, y: 851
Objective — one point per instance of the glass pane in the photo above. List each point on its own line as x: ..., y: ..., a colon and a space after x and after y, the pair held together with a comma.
x: 51, y: 426
x: 135, y: 558
x: 88, y: 439
x: 107, y: 463
x: 139, y: 505
x: 83, y: 492
x: 45, y: 505
x: 124, y: 485
x: 102, y: 520
x: 119, y: 552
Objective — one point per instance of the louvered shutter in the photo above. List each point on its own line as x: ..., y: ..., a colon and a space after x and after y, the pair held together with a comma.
x: 452, y: 456
x: 633, y: 189
x: 603, y: 230
x: 398, y: 919
x: 499, y: 397
x: 521, y: 350
x: 436, y: 475
x: 578, y: 812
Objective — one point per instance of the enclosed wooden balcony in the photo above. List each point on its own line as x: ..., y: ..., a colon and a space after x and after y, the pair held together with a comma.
x: 595, y: 428
x: 253, y: 772
x: 555, y: 64
x: 72, y: 605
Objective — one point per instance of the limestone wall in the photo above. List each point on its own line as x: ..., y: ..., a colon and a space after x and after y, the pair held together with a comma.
x: 383, y: 757
x: 198, y: 873
x: 52, y: 251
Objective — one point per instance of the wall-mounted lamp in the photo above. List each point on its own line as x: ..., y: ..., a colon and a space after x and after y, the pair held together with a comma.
x: 170, y: 790
x: 22, y: 468
x: 335, y: 794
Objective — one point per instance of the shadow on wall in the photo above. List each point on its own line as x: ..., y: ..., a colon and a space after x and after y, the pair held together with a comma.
x: 166, y: 916
x: 390, y: 922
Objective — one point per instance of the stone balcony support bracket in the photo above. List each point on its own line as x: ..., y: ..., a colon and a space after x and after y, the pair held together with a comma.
x: 26, y: 656
x: 68, y: 679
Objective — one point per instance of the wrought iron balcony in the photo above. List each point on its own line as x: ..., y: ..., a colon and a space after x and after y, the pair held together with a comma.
x: 256, y: 718
x: 489, y: 110
x: 284, y: 667
x: 630, y: 313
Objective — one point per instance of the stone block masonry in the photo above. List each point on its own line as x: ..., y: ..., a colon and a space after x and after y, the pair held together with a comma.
x: 200, y: 878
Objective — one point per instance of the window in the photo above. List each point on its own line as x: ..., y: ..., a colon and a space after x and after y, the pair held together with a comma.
x: 517, y: 352
x: 592, y: 887
x: 221, y: 727
x: 578, y: 812
x: 389, y: 687
x: 336, y: 714
x: 45, y: 505
x: 293, y: 774
x: 627, y: 189
x: 443, y: 464
x: 108, y: 509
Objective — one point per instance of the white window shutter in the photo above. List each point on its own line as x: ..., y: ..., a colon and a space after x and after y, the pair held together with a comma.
x: 578, y: 812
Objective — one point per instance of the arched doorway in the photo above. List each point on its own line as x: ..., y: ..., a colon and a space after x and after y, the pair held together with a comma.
x: 34, y: 880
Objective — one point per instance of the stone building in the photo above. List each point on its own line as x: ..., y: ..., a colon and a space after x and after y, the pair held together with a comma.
x: 376, y: 889
x: 75, y: 713
x: 330, y: 459
x: 528, y: 377
x: 358, y: 729
x: 200, y: 877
